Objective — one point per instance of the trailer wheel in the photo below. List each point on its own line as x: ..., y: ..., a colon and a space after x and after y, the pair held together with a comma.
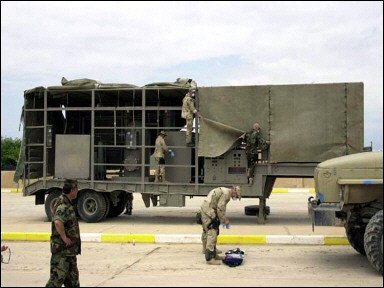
x: 108, y: 205
x: 91, y: 206
x: 115, y: 211
x: 373, y: 241
x: 51, y: 200
x: 254, y: 210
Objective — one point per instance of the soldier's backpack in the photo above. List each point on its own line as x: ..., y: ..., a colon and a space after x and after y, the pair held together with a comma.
x: 234, y: 257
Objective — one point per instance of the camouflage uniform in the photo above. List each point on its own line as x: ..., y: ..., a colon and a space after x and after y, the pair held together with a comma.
x: 212, y: 213
x: 254, y: 142
x: 187, y: 112
x: 63, y: 260
x: 160, y: 149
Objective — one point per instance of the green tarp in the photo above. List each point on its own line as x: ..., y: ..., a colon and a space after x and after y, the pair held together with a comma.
x: 304, y: 123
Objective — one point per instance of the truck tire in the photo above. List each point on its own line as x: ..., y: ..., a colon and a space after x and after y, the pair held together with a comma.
x: 50, y: 201
x: 355, y: 229
x: 373, y: 241
x: 91, y: 206
x: 254, y: 210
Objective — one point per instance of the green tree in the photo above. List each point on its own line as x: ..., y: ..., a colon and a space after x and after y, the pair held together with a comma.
x: 10, y: 150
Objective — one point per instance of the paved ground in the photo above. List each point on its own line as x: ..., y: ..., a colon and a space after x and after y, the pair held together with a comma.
x: 288, y: 216
x: 160, y: 264
x: 182, y: 265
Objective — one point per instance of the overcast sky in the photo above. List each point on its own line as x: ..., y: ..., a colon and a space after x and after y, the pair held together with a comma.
x: 215, y: 43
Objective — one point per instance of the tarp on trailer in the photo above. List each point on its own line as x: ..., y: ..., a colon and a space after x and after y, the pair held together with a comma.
x: 304, y: 123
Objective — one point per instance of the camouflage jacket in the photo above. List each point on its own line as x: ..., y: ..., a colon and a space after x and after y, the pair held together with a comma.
x: 215, y: 205
x: 254, y: 142
x: 160, y: 148
x: 65, y: 212
x: 188, y: 108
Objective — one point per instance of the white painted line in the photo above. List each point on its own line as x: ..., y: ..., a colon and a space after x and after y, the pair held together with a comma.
x: 90, y: 237
x: 295, y: 239
x: 177, y: 238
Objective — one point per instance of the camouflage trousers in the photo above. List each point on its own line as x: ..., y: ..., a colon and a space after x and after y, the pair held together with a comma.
x: 63, y: 271
x: 188, y: 132
x: 209, y: 235
x: 252, y: 160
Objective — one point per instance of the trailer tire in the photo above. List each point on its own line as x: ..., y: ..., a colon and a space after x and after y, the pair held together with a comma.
x: 254, y: 210
x: 91, y: 206
x: 108, y: 205
x: 115, y: 211
x: 373, y: 241
x: 50, y: 201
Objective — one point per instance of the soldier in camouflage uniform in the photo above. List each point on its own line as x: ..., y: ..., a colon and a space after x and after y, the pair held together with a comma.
x: 65, y: 240
x: 254, y: 143
x: 187, y: 112
x: 159, y: 154
x: 212, y: 214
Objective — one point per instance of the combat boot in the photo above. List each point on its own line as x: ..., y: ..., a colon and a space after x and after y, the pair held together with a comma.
x: 213, y: 261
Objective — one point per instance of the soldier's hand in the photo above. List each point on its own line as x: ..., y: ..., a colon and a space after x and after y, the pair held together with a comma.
x: 67, y: 241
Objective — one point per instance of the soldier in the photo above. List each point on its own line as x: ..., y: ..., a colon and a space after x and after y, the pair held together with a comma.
x: 160, y: 150
x: 129, y: 204
x: 254, y: 143
x: 188, y: 110
x: 65, y: 240
x: 212, y: 213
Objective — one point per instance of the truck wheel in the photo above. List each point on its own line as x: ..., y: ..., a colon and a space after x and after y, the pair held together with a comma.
x: 254, y: 210
x: 373, y: 241
x: 355, y: 229
x: 51, y: 200
x: 91, y: 206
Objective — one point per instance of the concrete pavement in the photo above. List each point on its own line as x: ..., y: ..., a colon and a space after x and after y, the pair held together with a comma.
x: 288, y: 223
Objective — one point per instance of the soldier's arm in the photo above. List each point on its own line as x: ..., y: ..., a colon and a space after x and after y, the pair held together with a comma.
x: 60, y: 229
x: 164, y: 146
x: 59, y: 218
x: 221, y: 209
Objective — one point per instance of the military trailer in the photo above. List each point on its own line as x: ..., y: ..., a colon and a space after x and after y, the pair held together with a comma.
x: 103, y: 135
x: 349, y: 190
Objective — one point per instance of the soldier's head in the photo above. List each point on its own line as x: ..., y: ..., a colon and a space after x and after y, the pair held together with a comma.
x: 162, y: 133
x: 236, y: 193
x: 192, y: 92
x: 256, y: 126
x: 70, y: 188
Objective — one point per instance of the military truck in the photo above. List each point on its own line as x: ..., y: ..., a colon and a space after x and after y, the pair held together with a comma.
x: 103, y: 135
x: 349, y: 190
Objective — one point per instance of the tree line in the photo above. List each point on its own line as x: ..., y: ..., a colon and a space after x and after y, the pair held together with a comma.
x: 10, y: 150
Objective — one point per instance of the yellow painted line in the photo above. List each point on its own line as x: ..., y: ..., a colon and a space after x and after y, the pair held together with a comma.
x: 280, y: 191
x: 336, y: 240
x: 23, y: 236
x: 20, y: 190
x: 139, y: 238
x: 242, y: 239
